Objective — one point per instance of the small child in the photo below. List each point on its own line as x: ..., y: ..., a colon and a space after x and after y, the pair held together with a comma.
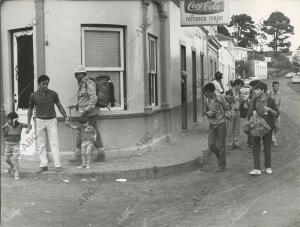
x: 12, y: 132
x: 88, y: 137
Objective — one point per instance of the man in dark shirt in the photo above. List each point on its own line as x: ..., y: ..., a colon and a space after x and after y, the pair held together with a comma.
x: 43, y: 101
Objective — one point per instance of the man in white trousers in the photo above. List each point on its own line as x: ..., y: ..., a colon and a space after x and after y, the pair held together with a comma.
x: 43, y: 101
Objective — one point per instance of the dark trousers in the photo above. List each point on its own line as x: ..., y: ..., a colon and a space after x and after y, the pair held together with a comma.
x: 217, y: 142
x: 250, y: 139
x: 98, y: 143
x: 267, y: 142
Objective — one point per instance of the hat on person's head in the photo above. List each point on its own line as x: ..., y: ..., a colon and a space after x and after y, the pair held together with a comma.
x: 80, y: 69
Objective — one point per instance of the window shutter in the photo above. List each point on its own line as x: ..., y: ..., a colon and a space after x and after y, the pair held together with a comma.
x: 102, y: 49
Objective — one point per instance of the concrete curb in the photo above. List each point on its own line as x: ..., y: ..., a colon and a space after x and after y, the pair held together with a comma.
x: 148, y: 172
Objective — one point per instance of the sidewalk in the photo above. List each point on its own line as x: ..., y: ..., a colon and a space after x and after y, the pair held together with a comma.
x: 181, y: 154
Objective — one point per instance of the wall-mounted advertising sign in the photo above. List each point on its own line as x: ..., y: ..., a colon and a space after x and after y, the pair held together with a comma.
x: 204, y: 12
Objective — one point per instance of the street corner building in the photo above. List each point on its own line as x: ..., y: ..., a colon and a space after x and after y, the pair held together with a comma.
x: 157, y: 67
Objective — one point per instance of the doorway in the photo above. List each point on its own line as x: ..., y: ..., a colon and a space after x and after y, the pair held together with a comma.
x: 194, y: 81
x: 202, y: 81
x: 183, y: 86
x: 23, y: 70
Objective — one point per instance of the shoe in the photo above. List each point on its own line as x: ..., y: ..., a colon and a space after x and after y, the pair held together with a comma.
x: 82, y: 166
x: 269, y: 171
x: 75, y: 159
x: 100, y: 157
x: 275, y: 144
x: 42, y: 169
x: 88, y: 167
x: 255, y: 172
x: 58, y: 169
x: 17, y: 176
x: 9, y: 170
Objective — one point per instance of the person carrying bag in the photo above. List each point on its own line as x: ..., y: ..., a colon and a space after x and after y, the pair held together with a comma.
x: 261, y: 123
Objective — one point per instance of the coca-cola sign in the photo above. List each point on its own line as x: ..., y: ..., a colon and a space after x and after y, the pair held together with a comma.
x: 204, y: 6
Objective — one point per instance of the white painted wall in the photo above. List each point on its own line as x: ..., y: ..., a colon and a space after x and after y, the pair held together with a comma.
x: 240, y: 54
x: 226, y: 64
x: 259, y: 69
x: 63, y: 54
x: 189, y: 37
x: 11, y: 18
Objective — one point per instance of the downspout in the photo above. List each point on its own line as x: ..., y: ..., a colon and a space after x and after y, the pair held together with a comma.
x: 147, y: 106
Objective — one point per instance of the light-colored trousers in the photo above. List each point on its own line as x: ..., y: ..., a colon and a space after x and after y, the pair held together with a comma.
x: 233, y: 134
x: 47, y: 128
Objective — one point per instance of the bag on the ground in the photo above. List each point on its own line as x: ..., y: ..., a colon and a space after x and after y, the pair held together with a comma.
x: 256, y: 126
x: 105, y: 91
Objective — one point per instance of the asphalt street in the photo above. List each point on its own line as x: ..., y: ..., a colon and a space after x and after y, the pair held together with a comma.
x: 196, y: 198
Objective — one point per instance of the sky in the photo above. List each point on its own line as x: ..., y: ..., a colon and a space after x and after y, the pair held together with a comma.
x: 262, y: 9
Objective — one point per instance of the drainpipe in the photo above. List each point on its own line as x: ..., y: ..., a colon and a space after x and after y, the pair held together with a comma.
x: 2, y: 116
x: 147, y: 106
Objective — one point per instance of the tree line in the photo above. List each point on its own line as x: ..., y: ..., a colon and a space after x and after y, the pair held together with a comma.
x: 249, y: 35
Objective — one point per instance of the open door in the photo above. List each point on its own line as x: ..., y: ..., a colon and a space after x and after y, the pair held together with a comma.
x: 23, y: 83
x: 23, y: 71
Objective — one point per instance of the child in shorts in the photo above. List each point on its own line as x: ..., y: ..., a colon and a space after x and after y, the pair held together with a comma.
x: 12, y: 134
x: 87, y: 134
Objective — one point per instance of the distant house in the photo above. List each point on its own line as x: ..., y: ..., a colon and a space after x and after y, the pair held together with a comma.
x: 241, y: 53
x: 259, y: 69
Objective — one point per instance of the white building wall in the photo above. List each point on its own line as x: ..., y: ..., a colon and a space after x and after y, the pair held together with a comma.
x: 189, y: 37
x: 226, y: 64
x: 63, y: 53
x: 19, y: 20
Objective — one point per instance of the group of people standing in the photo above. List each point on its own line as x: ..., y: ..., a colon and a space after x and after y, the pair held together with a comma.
x: 42, y: 110
x: 224, y: 109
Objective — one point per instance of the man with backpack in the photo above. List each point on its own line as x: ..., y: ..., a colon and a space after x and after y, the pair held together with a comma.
x: 87, y: 105
x: 215, y: 109
x: 234, y: 122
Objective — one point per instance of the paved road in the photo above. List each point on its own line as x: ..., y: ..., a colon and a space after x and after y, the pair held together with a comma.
x: 198, y: 198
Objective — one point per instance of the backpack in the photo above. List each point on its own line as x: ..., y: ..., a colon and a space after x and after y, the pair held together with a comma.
x: 105, y: 91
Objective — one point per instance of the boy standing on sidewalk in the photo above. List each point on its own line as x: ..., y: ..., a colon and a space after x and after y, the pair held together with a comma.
x: 234, y: 122
x: 215, y: 107
x: 87, y: 135
x: 12, y: 132
x: 275, y: 95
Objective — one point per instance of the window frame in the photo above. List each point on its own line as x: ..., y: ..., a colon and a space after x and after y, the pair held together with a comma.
x: 120, y: 69
x: 152, y: 74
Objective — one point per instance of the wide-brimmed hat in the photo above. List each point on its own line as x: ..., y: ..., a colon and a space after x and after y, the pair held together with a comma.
x: 80, y: 69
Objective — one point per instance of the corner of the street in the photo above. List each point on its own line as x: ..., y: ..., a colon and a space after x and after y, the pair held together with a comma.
x: 163, y: 157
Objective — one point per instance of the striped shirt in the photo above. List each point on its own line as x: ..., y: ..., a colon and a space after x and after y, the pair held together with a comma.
x: 87, y: 96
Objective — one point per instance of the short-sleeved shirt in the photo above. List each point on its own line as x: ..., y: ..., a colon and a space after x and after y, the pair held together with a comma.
x: 87, y: 134
x: 43, y: 102
x: 13, y: 133
x: 276, y: 97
